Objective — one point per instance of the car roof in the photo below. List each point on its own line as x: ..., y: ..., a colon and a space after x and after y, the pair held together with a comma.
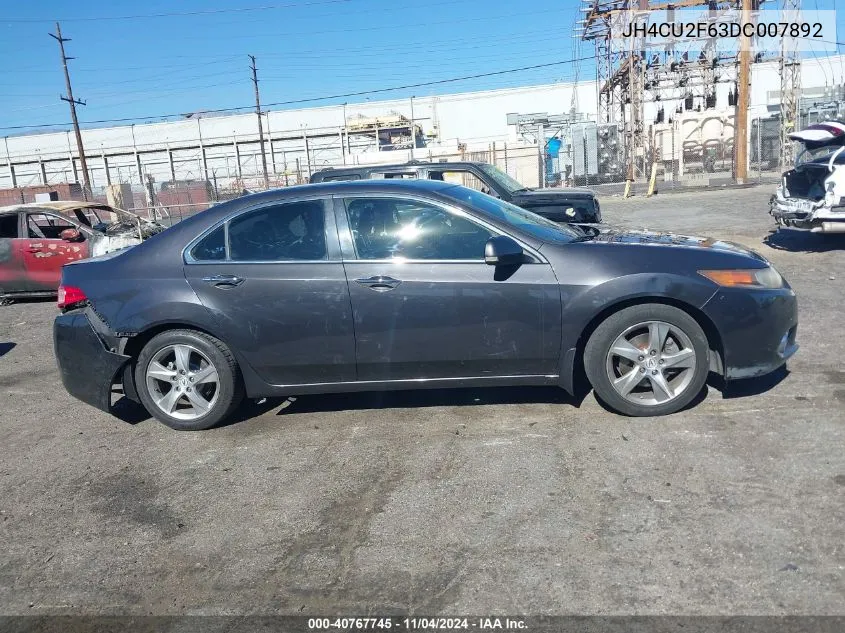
x: 55, y: 205
x: 412, y: 165
x: 339, y: 187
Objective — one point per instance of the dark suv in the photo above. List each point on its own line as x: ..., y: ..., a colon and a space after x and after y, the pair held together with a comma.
x: 576, y: 206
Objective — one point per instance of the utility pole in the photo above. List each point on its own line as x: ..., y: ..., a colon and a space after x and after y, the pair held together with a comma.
x: 260, y: 126
x: 743, y: 87
x: 86, y: 183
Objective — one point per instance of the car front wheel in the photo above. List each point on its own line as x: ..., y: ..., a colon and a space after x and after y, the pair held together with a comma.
x: 188, y: 380
x: 647, y: 360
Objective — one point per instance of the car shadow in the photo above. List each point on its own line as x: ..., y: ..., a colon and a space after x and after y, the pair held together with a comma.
x: 459, y: 397
x: 131, y: 412
x: 747, y: 387
x: 5, y: 348
x: 804, y: 242
x: 9, y: 300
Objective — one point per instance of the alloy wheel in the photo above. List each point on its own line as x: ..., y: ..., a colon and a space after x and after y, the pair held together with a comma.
x: 651, y: 363
x: 182, y: 381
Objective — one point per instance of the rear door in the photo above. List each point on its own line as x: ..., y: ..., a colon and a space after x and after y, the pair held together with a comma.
x: 273, y: 277
x: 12, y: 278
x: 44, y: 252
x: 427, y: 306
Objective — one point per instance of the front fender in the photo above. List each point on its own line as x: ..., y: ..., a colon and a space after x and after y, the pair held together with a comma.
x: 585, y: 307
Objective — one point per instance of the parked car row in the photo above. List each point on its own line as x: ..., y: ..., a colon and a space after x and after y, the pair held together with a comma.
x: 394, y: 283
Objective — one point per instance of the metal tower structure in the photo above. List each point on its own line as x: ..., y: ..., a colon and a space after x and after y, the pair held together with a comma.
x: 628, y: 78
x: 790, y: 85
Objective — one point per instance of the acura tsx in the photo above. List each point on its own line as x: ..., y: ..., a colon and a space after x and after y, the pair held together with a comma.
x: 387, y: 284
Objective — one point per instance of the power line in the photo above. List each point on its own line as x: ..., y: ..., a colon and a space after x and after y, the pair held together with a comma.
x: 322, y: 98
x: 177, y: 13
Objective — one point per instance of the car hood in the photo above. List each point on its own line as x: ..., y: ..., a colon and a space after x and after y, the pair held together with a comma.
x: 550, y: 196
x: 671, y: 240
x: 828, y: 133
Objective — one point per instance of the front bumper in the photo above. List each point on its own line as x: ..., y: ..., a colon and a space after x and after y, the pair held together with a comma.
x: 87, y: 367
x: 758, y: 329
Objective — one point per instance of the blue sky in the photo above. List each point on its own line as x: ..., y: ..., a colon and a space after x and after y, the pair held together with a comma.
x: 140, y: 65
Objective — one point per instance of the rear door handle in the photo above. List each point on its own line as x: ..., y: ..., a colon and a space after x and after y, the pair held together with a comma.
x: 224, y: 281
x: 33, y: 250
x: 379, y: 283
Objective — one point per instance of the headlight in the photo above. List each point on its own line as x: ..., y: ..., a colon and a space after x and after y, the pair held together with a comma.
x: 755, y: 278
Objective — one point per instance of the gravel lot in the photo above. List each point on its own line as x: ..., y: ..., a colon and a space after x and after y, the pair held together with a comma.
x: 472, y: 501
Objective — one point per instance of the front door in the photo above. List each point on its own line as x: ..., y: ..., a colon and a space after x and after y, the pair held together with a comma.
x: 44, y: 252
x: 278, y: 291
x: 427, y: 306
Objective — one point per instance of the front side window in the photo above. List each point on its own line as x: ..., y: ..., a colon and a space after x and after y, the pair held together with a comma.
x: 461, y: 177
x: 292, y: 231
x: 511, y: 185
x: 44, y: 226
x: 394, y: 228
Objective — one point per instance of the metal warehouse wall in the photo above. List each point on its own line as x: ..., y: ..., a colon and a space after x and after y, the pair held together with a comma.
x: 470, y: 121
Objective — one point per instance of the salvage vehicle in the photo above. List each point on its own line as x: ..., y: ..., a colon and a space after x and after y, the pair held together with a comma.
x: 37, y: 239
x: 811, y: 196
x: 389, y: 284
x: 572, y: 205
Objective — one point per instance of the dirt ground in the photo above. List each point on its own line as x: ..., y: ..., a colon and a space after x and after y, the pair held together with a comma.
x: 470, y: 501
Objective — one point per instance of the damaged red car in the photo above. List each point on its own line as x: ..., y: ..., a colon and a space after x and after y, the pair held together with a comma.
x: 37, y: 239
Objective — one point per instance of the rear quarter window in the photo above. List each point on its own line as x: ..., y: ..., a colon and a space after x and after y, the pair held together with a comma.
x: 212, y: 247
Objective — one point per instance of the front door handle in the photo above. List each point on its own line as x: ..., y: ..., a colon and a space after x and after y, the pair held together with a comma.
x: 33, y: 250
x: 379, y: 283
x: 224, y: 281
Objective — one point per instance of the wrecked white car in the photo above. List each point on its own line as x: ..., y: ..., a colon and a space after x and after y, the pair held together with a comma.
x: 37, y: 239
x: 812, y: 195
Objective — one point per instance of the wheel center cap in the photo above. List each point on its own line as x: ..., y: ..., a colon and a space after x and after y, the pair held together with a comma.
x: 183, y: 381
x: 651, y: 363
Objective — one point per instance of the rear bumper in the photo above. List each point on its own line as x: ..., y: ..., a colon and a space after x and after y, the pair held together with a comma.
x: 809, y: 215
x: 758, y: 329
x: 87, y: 368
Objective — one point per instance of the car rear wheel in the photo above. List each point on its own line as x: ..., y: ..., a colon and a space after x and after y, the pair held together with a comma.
x: 647, y: 360
x: 188, y: 380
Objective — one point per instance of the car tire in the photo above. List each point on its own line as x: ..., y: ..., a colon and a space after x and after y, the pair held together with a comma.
x: 666, y: 380
x: 201, y: 371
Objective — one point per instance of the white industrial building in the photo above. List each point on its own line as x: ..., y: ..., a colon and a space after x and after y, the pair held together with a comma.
x: 225, y: 149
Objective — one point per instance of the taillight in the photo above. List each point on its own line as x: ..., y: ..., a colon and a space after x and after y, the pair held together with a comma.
x: 70, y: 295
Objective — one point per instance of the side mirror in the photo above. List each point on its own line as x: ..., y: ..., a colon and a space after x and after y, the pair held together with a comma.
x: 71, y: 235
x: 503, y: 251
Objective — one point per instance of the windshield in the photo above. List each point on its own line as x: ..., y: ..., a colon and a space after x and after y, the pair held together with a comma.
x: 530, y: 223
x: 511, y: 185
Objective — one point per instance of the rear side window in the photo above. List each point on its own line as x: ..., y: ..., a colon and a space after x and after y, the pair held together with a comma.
x: 282, y: 232
x: 9, y: 226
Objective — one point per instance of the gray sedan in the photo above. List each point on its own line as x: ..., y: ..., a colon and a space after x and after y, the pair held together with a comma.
x: 376, y: 285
